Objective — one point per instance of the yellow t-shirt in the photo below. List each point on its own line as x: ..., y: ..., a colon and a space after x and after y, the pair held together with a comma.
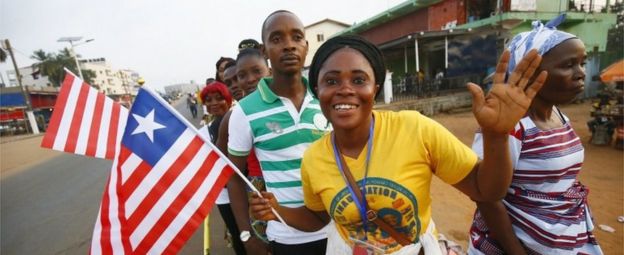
x: 407, y: 149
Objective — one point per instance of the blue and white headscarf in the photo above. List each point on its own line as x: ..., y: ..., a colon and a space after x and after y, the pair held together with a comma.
x: 542, y: 37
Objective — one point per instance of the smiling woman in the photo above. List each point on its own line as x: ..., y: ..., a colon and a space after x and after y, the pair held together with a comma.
x: 373, y: 173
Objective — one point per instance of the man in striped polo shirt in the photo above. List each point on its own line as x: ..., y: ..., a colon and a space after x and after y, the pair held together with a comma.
x: 279, y: 121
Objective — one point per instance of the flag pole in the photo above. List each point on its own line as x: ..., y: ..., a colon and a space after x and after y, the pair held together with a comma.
x: 207, y: 235
x: 221, y: 155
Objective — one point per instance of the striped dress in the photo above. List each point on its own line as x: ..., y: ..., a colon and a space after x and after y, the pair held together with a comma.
x: 546, y: 203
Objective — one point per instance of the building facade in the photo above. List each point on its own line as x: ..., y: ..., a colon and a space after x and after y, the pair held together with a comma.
x: 30, y: 77
x: 317, y: 33
x: 120, y: 85
x: 463, y: 38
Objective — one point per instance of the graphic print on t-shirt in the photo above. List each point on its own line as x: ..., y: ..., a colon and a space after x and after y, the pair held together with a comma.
x: 393, y: 203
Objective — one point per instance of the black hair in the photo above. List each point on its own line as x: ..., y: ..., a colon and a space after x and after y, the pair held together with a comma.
x: 209, y: 80
x: 221, y: 60
x: 251, y: 52
x: 229, y: 64
x: 268, y: 17
x: 370, y: 51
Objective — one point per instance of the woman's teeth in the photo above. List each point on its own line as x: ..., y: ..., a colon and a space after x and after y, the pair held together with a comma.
x: 344, y: 106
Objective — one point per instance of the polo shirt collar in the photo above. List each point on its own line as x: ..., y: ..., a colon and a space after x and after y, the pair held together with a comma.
x: 267, y: 94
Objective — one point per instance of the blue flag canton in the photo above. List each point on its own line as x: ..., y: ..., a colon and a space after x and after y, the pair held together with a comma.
x: 151, y: 128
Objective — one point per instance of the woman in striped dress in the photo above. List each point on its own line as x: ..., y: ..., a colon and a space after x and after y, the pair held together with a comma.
x: 545, y: 210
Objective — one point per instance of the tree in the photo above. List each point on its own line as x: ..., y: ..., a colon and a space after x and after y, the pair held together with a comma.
x: 615, y: 37
x: 51, y: 65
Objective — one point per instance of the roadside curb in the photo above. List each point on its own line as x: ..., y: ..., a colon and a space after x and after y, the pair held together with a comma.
x: 16, y: 138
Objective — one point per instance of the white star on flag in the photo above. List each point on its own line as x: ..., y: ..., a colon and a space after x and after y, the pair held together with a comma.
x: 146, y: 125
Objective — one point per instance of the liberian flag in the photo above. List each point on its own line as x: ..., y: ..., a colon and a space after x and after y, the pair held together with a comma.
x: 84, y: 121
x: 163, y: 182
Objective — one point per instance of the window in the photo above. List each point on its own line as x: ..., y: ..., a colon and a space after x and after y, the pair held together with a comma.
x: 320, y: 37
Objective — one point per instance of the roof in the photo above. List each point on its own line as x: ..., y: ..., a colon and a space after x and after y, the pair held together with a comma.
x: 512, y: 18
x: 328, y: 20
x: 388, y: 15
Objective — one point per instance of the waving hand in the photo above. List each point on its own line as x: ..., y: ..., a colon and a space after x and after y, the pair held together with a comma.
x: 507, y: 103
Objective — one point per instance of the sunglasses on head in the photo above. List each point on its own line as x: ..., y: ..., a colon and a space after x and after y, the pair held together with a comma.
x: 243, y: 46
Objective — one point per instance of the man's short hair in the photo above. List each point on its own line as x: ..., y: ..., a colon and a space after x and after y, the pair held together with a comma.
x: 271, y: 15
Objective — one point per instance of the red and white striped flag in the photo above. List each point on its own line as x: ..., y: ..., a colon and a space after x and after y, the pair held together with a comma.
x: 163, y: 183
x: 84, y: 121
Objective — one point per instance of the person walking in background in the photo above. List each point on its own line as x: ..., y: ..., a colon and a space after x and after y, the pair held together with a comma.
x: 191, y: 103
x: 545, y: 210
x: 437, y: 83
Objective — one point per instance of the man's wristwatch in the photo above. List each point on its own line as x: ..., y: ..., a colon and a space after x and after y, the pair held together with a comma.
x: 245, y: 236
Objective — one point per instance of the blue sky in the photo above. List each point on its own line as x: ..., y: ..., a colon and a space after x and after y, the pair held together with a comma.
x: 167, y: 42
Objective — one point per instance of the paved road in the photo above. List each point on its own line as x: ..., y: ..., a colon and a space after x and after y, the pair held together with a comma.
x: 50, y: 206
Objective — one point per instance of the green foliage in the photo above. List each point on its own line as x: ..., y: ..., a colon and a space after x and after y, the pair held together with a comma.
x: 615, y: 37
x: 51, y: 65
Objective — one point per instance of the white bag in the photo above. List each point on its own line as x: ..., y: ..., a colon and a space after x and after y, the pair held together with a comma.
x: 336, y: 245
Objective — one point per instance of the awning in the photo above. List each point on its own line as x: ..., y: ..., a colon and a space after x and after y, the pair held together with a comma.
x: 614, y: 72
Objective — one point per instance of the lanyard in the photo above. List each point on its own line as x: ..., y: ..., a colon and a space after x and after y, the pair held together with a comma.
x: 361, y: 205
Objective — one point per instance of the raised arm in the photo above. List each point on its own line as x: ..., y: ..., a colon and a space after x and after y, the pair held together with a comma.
x: 497, y: 114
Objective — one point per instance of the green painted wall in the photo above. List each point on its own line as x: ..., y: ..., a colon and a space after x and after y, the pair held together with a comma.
x: 591, y: 28
x: 552, y: 5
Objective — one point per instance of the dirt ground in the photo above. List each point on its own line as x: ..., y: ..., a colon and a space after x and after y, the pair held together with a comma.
x: 17, y: 153
x: 602, y: 173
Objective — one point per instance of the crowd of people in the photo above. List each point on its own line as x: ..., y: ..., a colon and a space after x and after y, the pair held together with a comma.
x: 348, y: 179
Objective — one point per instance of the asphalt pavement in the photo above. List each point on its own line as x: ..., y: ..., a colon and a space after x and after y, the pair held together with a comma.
x: 48, y: 204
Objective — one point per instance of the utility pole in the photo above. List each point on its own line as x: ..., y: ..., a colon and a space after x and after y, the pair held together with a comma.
x: 71, y: 41
x: 76, y: 59
x: 29, y: 110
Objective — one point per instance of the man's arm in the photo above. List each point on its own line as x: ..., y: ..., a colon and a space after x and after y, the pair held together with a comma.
x: 240, y: 207
x: 239, y: 139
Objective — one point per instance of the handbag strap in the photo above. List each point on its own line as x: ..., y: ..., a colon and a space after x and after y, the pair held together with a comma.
x: 371, y: 215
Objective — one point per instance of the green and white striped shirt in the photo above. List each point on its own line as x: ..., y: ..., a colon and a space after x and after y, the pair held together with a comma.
x: 279, y: 134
